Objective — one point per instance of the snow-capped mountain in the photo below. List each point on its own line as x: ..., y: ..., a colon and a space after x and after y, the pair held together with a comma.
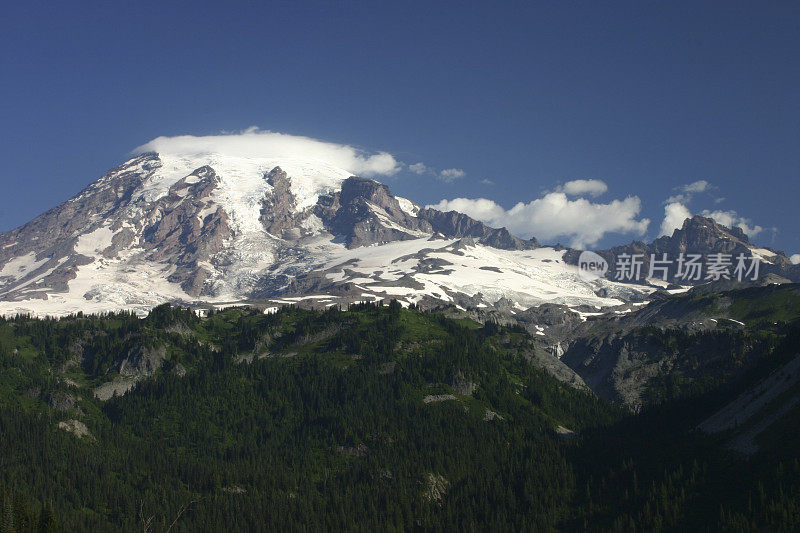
x: 219, y: 229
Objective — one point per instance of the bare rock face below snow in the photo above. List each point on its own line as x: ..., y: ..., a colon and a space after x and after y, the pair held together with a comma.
x: 191, y: 230
x: 634, y: 358
x: 279, y: 213
x: 365, y: 212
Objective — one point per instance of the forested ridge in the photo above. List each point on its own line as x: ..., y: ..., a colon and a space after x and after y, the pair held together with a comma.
x: 374, y: 417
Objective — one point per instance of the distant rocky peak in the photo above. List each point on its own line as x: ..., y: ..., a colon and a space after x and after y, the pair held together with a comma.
x: 454, y: 224
x: 702, y: 235
x: 700, y: 230
x: 354, y: 188
x: 204, y: 172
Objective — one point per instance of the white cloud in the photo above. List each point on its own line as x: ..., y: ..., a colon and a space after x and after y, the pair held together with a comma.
x: 257, y: 143
x: 418, y: 168
x: 795, y: 259
x: 697, y: 186
x: 487, y: 181
x: 447, y: 175
x: 674, y: 215
x: 581, y: 187
x: 732, y: 219
x: 688, y: 191
x: 481, y: 209
x: 451, y: 174
x: 556, y: 216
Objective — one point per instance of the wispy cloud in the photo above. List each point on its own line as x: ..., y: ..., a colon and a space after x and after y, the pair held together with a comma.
x: 256, y: 143
x: 418, y: 168
x: 590, y: 187
x: 688, y: 191
x: 487, y: 181
x: 697, y: 186
x: 450, y: 175
x: 447, y: 175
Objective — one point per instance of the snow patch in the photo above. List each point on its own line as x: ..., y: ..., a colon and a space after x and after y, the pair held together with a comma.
x: 21, y: 265
x: 408, y: 206
x: 91, y: 244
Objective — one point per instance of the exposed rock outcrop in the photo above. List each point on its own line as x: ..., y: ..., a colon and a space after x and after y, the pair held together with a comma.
x: 179, y: 370
x: 117, y: 387
x: 61, y: 401
x: 142, y: 361
x: 436, y: 486
x: 77, y: 428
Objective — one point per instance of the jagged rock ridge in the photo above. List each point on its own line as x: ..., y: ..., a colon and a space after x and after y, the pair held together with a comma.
x: 698, y: 235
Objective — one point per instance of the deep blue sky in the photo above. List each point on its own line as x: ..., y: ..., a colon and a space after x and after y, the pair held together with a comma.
x: 643, y: 95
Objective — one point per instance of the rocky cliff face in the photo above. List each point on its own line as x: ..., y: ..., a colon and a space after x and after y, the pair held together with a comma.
x: 279, y: 213
x: 142, y: 361
x: 185, y: 228
x: 455, y: 224
x: 364, y: 212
